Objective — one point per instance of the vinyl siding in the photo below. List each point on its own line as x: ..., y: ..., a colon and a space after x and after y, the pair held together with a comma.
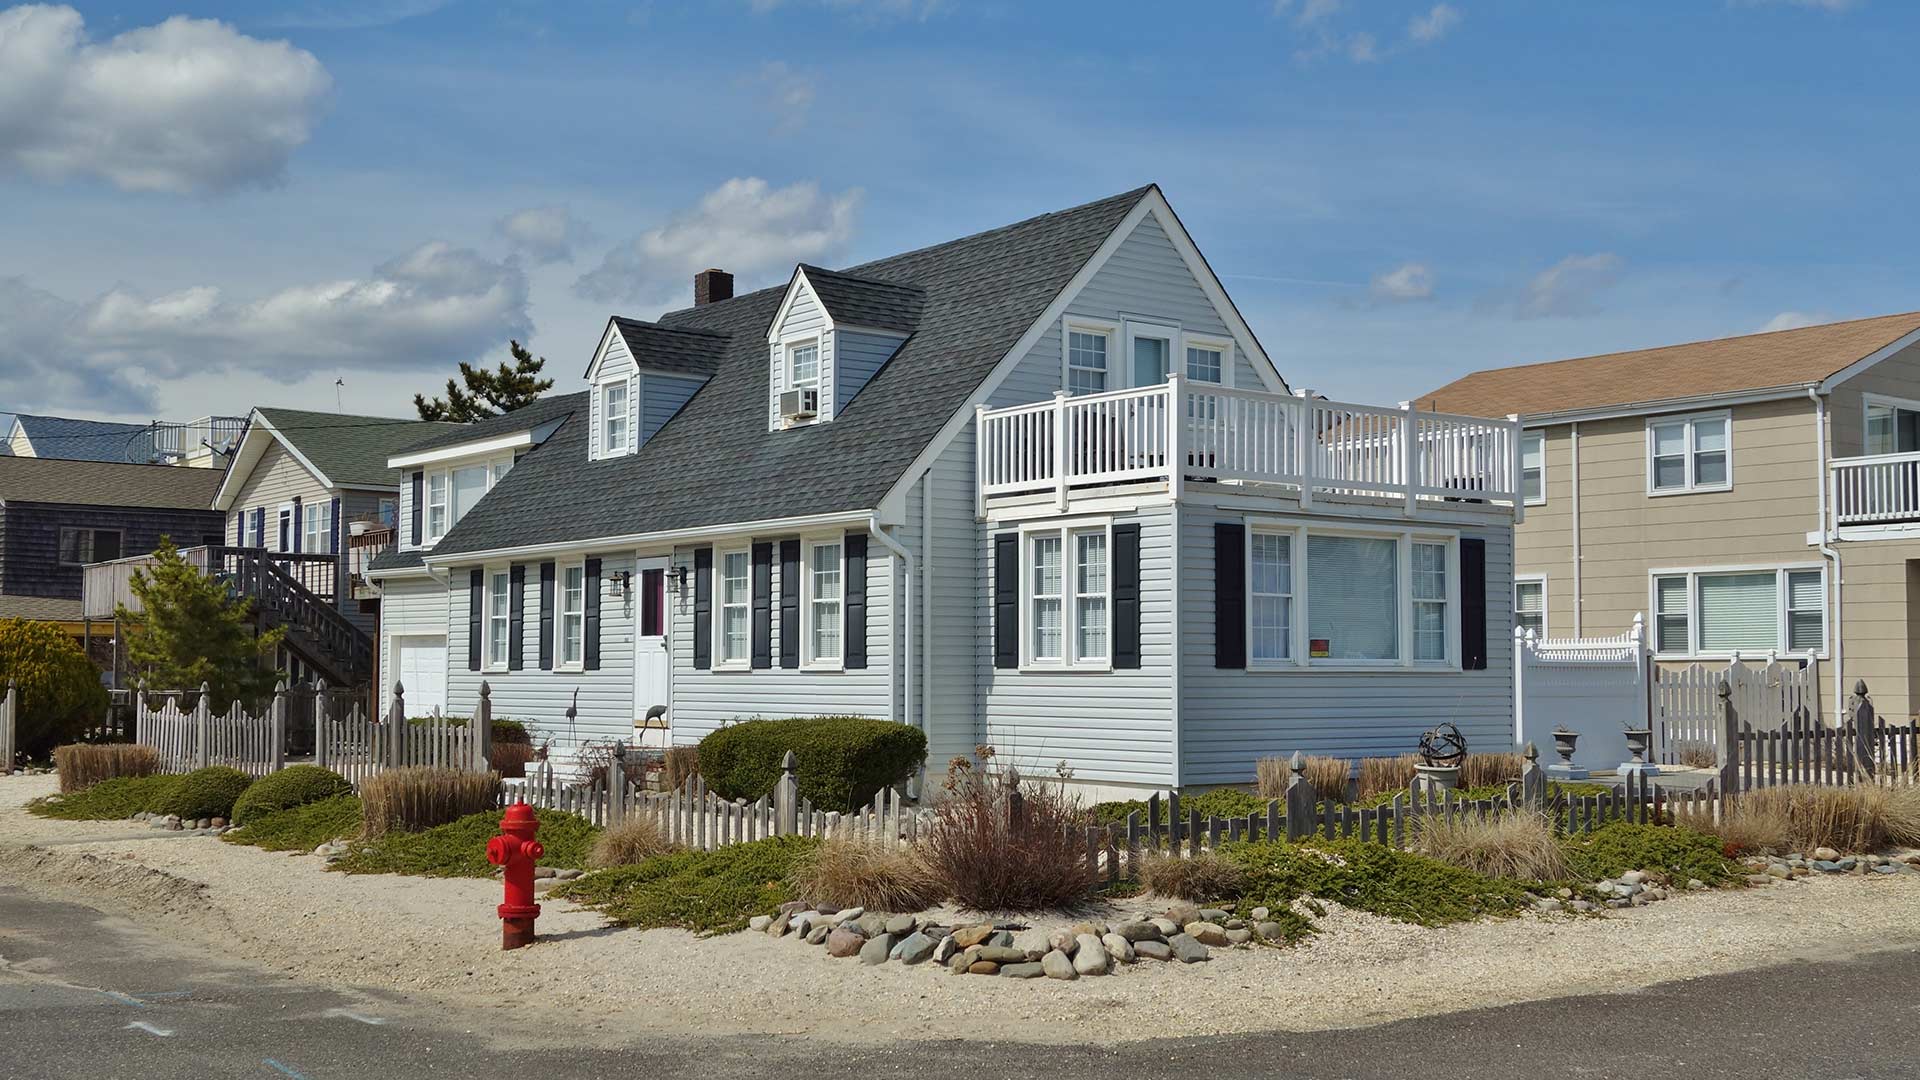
x: 275, y: 480
x: 705, y: 699
x: 1898, y: 376
x: 408, y: 606
x: 615, y: 363
x: 1230, y: 718
x: 805, y: 318
x: 857, y: 356
x: 960, y: 651
x: 660, y: 397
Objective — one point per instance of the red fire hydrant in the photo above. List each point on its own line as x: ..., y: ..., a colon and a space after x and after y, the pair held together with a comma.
x: 517, y: 851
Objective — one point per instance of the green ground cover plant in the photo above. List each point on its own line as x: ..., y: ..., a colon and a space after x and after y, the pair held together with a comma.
x: 295, y: 785
x: 707, y: 892
x: 1369, y: 877
x: 1677, y: 853
x: 459, y: 848
x: 108, y: 800
x: 301, y: 828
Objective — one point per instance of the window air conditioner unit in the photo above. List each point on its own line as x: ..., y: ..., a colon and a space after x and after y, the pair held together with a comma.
x: 802, y: 404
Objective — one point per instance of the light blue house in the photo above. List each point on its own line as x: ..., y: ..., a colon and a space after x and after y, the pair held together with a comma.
x: 1039, y: 487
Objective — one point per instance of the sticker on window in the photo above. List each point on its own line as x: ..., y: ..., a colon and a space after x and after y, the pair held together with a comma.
x: 1320, y: 648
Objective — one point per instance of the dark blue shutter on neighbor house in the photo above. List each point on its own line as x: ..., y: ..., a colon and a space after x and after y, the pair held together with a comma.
x: 474, y: 601
x: 1229, y: 595
x: 1006, y: 600
x: 762, y: 643
x: 1126, y: 596
x: 296, y: 523
x: 1473, y: 604
x: 856, y: 601
x: 419, y: 497
x: 591, y: 632
x: 703, y: 608
x: 546, y: 616
x: 516, y: 617
x: 259, y: 526
x: 789, y: 603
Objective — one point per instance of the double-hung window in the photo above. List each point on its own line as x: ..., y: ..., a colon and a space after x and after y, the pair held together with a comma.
x: 316, y: 523
x: 572, y: 625
x: 437, y: 505
x: 803, y: 365
x: 1087, y: 349
x: 499, y: 610
x: 1533, y: 467
x: 1069, y: 597
x: 826, y: 603
x: 1351, y: 597
x: 733, y: 611
x: 1689, y: 453
x: 613, y: 418
x: 81, y: 546
x: 1748, y: 611
x: 1530, y: 605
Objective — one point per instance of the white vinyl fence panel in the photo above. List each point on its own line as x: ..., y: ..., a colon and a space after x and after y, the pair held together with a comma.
x: 1596, y: 687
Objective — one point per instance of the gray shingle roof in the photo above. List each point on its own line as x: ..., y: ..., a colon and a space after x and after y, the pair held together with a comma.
x: 716, y: 463
x: 104, y: 483
x: 854, y: 301
x: 351, y: 450
x: 41, y: 608
x: 87, y: 440
x: 393, y: 559
x: 668, y: 348
x: 525, y: 418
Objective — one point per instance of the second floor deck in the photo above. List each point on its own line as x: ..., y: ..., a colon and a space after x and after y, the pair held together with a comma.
x: 1875, y: 495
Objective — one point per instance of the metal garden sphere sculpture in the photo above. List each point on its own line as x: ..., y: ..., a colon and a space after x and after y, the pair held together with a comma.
x: 1444, y: 745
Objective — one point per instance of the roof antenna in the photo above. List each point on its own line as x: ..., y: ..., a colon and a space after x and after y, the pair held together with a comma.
x: 337, y: 384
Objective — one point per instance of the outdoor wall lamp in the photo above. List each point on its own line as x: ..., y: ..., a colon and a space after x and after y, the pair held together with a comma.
x: 680, y: 578
x: 623, y: 579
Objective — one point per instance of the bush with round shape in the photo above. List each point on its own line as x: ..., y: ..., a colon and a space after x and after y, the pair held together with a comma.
x: 205, y: 793
x: 295, y: 785
x: 59, y: 688
x: 842, y: 761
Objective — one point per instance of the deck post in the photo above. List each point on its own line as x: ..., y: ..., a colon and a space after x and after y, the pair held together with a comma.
x: 1729, y: 751
x: 1305, y: 443
x: 1518, y: 467
x: 1060, y: 449
x: 1409, y: 454
x: 1301, y: 799
x: 1176, y: 436
x: 482, y: 733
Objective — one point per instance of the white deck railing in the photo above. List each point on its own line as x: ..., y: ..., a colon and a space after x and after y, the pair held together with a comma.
x: 1877, y: 490
x: 1181, y: 429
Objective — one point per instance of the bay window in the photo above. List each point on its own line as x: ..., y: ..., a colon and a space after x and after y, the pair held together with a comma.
x: 825, y: 603
x: 1069, y: 597
x: 732, y: 610
x: 1751, y: 611
x: 1689, y: 453
x: 1350, y: 597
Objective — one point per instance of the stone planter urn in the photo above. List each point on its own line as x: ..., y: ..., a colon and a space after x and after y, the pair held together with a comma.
x: 1639, y: 744
x: 1563, y: 744
x: 1435, y: 779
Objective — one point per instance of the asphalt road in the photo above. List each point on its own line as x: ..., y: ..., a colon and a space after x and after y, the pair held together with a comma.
x: 84, y: 995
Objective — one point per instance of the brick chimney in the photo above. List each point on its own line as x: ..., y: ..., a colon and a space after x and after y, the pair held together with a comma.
x: 711, y: 285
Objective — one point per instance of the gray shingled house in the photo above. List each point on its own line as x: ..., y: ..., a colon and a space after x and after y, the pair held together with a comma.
x: 1039, y: 487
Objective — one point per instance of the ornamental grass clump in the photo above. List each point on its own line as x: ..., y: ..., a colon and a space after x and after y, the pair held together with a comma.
x: 1328, y: 775
x: 1001, y: 842
x: 1386, y: 775
x: 82, y: 765
x: 874, y: 874
x: 1521, y: 846
x: 409, y: 800
x: 1488, y: 770
x: 634, y: 840
x: 1863, y: 817
x: 1200, y: 878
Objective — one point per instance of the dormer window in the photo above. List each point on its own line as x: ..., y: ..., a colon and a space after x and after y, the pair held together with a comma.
x: 613, y: 412
x: 803, y: 365
x: 831, y: 334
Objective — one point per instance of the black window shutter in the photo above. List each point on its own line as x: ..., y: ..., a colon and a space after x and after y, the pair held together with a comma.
x: 762, y: 582
x: 856, y: 602
x: 1229, y: 595
x: 1126, y: 596
x: 517, y: 617
x: 1006, y: 600
x: 419, y: 499
x: 703, y: 608
x: 296, y: 523
x: 334, y: 526
x: 590, y: 646
x: 474, y: 587
x: 789, y: 603
x: 546, y: 616
x: 1473, y: 604
x: 260, y: 525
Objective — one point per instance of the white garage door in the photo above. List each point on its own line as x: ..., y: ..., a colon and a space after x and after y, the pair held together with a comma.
x: 420, y: 663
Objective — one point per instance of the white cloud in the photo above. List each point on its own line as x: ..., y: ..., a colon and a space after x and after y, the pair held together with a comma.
x: 1361, y: 48
x: 789, y: 94
x: 355, y: 16
x: 545, y: 234
x: 744, y: 226
x: 422, y: 311
x: 1569, y: 287
x: 187, y: 105
x: 1793, y: 320
x: 871, y: 9
x: 1434, y: 25
x: 1408, y: 281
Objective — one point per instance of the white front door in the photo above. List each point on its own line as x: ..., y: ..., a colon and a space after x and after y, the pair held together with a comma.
x: 652, y: 655
x: 420, y: 663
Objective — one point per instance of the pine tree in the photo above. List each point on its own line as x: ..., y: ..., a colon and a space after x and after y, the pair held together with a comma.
x: 488, y: 393
x: 192, y: 631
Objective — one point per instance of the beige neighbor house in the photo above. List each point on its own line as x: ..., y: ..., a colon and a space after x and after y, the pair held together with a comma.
x: 1750, y: 495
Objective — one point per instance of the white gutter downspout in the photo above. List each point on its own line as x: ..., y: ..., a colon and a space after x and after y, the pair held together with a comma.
x: 926, y: 600
x: 1839, y: 624
x: 902, y: 650
x: 1573, y: 430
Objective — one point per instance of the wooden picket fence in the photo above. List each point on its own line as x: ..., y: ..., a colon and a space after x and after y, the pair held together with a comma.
x: 9, y: 727
x: 1686, y: 703
x: 355, y: 745
x: 195, y: 738
x: 1805, y: 750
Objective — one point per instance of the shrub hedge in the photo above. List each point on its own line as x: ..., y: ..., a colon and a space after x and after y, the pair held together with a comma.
x: 59, y: 688
x: 842, y: 760
x: 204, y: 793
x: 295, y: 785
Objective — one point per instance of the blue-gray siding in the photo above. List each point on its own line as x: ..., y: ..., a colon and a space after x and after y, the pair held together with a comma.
x: 661, y: 396
x: 856, y: 357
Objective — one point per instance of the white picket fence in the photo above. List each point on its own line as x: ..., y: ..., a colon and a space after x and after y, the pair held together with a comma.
x: 357, y: 746
x: 189, y: 739
x: 9, y: 729
x: 1767, y: 694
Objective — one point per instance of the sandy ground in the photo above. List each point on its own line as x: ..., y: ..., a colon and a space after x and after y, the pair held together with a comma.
x: 439, y: 938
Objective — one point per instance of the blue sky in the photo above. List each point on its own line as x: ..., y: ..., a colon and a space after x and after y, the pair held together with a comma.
x: 215, y: 205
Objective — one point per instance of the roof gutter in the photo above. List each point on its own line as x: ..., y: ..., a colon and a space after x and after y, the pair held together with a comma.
x: 669, y: 536
x: 904, y: 647
x: 1641, y: 408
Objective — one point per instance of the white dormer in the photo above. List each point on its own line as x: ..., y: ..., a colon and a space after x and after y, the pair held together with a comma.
x: 641, y: 375
x: 613, y: 404
x: 821, y: 348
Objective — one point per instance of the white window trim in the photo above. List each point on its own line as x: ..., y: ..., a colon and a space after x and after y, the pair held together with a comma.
x: 445, y: 504
x: 808, y: 660
x: 1541, y: 435
x: 560, y: 662
x: 1139, y: 328
x: 601, y: 390
x: 1780, y: 570
x: 285, y: 513
x: 309, y: 535
x: 1690, y: 487
x: 1073, y: 324
x: 492, y: 465
x: 721, y: 661
x: 1867, y: 402
x: 787, y: 348
x: 1405, y: 538
x: 1069, y: 610
x: 1203, y: 341
x: 1533, y: 579
x: 487, y: 615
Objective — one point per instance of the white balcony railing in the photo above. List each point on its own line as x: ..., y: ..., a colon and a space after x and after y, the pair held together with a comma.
x: 1882, y: 489
x: 1181, y: 429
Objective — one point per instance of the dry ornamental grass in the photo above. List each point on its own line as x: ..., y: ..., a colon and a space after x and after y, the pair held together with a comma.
x: 1328, y: 775
x: 875, y: 875
x: 1862, y: 817
x: 993, y: 855
x: 1521, y: 846
x: 1199, y: 878
x: 681, y: 764
x: 1380, y: 775
x: 633, y: 840
x: 82, y: 766
x: 409, y: 800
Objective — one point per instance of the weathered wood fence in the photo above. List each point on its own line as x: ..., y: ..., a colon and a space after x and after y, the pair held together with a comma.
x: 9, y: 727
x: 1768, y: 696
x: 1805, y: 750
x: 353, y: 744
x: 189, y: 738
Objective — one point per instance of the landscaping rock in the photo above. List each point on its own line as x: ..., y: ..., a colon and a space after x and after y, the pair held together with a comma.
x: 916, y: 948
x: 172, y: 822
x: 1187, y: 949
x: 958, y: 963
x: 1090, y: 956
x: 1022, y: 971
x: 1207, y: 933
x: 1057, y: 966
x: 759, y: 922
x: 1261, y: 914
x: 1139, y: 931
x: 1096, y: 929
x: 818, y: 934
x: 944, y: 949
x: 844, y: 915
x: 1886, y: 869
x: 1760, y: 879
x: 778, y: 927
x: 1582, y: 906
x: 1167, y: 927
x: 1825, y: 854
x: 1117, y: 947
x: 1002, y: 954
x: 801, y: 922
x: 542, y: 872
x: 1270, y: 931
x: 795, y: 907
x: 1000, y: 938
x: 875, y: 951
x: 1696, y: 883
x: 844, y: 942
x: 870, y: 925
x: 1062, y: 941
x: 1779, y: 870
x: 1236, y: 924
x: 1152, y: 950
x: 972, y: 935
x: 1239, y: 937
x: 1183, y: 914
x: 983, y: 967
x: 217, y: 823
x: 1633, y: 877
x: 1214, y: 915
x: 902, y: 924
